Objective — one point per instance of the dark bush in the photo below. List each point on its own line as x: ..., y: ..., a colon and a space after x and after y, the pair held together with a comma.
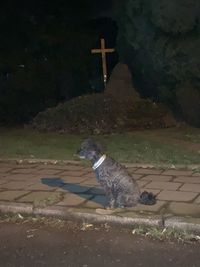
x: 99, y: 113
x: 160, y: 40
x: 188, y: 97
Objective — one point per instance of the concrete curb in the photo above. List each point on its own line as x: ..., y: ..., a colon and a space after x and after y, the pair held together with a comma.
x: 12, y: 207
x: 78, y: 162
x: 91, y: 217
x: 186, y: 224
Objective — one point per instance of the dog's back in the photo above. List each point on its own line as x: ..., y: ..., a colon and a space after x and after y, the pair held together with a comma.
x: 118, y: 183
x: 120, y: 187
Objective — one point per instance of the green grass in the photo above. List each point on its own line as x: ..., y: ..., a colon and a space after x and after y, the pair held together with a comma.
x: 167, y: 146
x: 26, y: 143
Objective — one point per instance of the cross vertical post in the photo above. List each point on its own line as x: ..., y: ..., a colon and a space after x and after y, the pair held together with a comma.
x: 103, y: 50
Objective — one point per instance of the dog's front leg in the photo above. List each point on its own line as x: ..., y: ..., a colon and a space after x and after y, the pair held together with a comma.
x: 111, y: 208
x: 111, y: 199
x: 111, y: 203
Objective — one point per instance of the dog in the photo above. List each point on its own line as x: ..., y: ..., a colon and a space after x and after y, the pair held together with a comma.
x: 120, y: 187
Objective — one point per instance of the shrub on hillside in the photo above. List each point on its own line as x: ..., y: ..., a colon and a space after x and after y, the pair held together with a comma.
x: 98, y: 113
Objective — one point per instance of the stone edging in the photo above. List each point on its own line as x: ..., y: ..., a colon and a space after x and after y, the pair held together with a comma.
x: 78, y: 162
x: 85, y: 215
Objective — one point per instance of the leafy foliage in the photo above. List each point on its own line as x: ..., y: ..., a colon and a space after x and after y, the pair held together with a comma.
x: 98, y: 113
x: 188, y: 98
x: 160, y: 41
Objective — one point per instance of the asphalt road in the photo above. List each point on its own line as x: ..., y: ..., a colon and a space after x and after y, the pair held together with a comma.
x: 42, y: 245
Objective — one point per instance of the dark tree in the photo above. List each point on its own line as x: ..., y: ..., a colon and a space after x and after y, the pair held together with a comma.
x: 44, y: 55
x: 160, y: 41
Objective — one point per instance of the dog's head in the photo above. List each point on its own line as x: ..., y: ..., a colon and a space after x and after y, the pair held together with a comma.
x: 89, y: 150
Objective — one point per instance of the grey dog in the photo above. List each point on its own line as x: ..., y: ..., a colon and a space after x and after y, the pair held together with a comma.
x: 120, y: 188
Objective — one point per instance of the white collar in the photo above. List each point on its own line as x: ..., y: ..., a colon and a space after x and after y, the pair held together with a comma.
x: 99, y: 162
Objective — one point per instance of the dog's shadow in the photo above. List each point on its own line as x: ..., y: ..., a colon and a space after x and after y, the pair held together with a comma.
x: 82, y: 191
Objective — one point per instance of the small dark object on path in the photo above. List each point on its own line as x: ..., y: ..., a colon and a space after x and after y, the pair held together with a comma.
x: 120, y: 187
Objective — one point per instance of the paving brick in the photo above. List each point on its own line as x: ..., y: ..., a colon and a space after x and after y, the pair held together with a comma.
x: 164, y: 185
x: 5, y: 169
x: 24, y: 171
x: 154, y: 191
x: 88, y: 169
x: 75, y: 167
x: 197, y: 200
x: 74, y: 173
x: 47, y: 172
x: 89, y: 175
x: 97, y: 202
x: 65, y: 167
x: 190, y: 188
x: 9, y: 166
x: 40, y: 186
x: 12, y: 195
x: 142, y: 183
x: 178, y: 172
x: 96, y: 191
x: 176, y: 196
x: 151, y: 208
x: 33, y: 180
x: 73, y: 199
x: 38, y: 196
x: 162, y: 178
x: 74, y: 188
x: 2, y: 182
x: 148, y: 171
x: 92, y: 181
x: 137, y: 176
x: 185, y: 209
x: 196, y: 174
x: 25, y: 165
x: 21, y: 177
x: 16, y: 185
x: 3, y: 176
x: 188, y: 179
x: 132, y: 169
x: 72, y: 179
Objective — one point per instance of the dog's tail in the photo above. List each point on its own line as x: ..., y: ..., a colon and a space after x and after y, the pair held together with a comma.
x: 147, y: 198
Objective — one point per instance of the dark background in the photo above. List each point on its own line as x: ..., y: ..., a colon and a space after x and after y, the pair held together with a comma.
x: 45, y: 52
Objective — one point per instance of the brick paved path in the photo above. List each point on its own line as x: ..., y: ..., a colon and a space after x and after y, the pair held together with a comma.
x: 178, y: 191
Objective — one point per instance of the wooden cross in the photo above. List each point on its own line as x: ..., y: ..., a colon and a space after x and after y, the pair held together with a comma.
x: 103, y: 52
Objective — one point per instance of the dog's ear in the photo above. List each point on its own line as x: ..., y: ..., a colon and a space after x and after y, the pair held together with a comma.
x: 90, y: 141
x: 93, y: 143
x: 100, y: 147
